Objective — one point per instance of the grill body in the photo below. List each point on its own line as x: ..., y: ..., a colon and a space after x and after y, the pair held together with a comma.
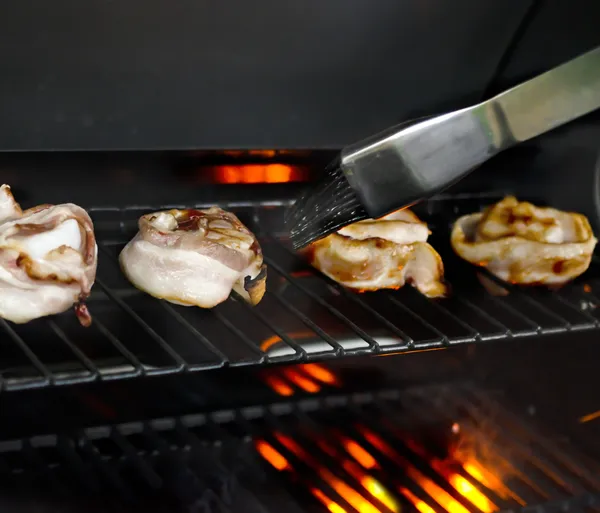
x: 166, y: 408
x: 318, y: 399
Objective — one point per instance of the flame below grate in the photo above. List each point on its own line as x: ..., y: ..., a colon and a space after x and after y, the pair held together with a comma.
x: 377, y: 459
x: 439, y: 449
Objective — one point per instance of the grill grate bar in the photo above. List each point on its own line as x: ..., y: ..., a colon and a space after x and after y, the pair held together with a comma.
x: 126, y: 353
x: 42, y: 471
x: 388, y: 469
x: 79, y: 354
x: 308, y: 476
x: 430, y: 411
x: 541, y: 461
x: 373, y: 345
x: 506, y: 332
x: 43, y: 371
x: 73, y: 461
x: 184, y: 322
x: 332, y: 461
x: 349, y: 295
x: 183, y: 458
x: 400, y: 423
x: 144, y: 325
x: 308, y: 323
x: 134, y: 459
x: 443, y: 339
x: 258, y: 315
x: 338, y: 332
x: 566, y: 325
x: 578, y: 468
x: 413, y: 465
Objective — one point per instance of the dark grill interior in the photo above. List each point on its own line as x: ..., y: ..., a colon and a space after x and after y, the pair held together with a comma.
x: 445, y: 448
x: 303, y: 317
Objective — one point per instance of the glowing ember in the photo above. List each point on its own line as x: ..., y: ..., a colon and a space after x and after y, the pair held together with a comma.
x: 273, y: 340
x: 421, y: 506
x: 472, y: 494
x: 439, y: 495
x: 258, y: 173
x: 272, y: 455
x: 589, y: 417
x: 369, y: 483
x: 320, y: 373
x: 278, y: 385
x: 362, y: 492
x: 489, y: 480
x: 310, y: 377
x: 306, y: 384
x: 359, y: 453
x: 351, y: 496
x: 332, y: 506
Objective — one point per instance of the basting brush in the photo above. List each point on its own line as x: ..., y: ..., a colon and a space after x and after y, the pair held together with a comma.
x: 415, y: 160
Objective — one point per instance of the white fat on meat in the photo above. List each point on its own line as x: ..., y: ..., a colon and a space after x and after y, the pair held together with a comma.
x: 195, y: 258
x: 48, y: 258
x: 381, y: 253
x: 524, y: 244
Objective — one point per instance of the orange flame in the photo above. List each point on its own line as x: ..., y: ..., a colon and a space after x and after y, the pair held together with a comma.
x: 369, y: 483
x: 458, y: 482
x: 269, y: 342
x: 320, y: 373
x: 258, y: 173
x: 472, y: 494
x: 439, y: 495
x: 306, y: 384
x: 351, y: 496
x: 421, y: 506
x: 466, y: 455
x: 489, y: 480
x: 372, y: 495
x: 272, y: 455
x: 359, y: 453
x: 332, y: 506
x: 278, y: 385
x: 589, y: 417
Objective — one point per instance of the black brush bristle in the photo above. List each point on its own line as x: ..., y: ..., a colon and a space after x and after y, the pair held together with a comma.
x: 328, y: 205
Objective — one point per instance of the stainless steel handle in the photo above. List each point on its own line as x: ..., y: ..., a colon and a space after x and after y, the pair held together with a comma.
x: 405, y: 164
x: 549, y: 100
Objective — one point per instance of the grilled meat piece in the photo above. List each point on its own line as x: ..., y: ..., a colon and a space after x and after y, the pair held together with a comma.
x: 195, y: 258
x: 48, y: 258
x: 381, y: 253
x: 525, y: 244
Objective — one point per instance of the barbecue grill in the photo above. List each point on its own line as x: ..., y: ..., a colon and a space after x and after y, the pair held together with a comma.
x: 319, y: 399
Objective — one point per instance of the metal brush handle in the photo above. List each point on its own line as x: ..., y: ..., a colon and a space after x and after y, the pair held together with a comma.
x: 405, y: 164
x: 547, y: 101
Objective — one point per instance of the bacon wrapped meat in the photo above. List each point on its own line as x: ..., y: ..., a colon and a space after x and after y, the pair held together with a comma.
x: 48, y: 258
x: 195, y: 258
x: 381, y: 253
x: 524, y: 244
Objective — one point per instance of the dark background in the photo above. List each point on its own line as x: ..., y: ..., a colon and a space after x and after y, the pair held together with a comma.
x: 153, y: 74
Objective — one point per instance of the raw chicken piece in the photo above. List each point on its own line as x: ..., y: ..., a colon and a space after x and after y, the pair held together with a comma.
x: 381, y: 253
x: 195, y: 258
x: 524, y: 244
x: 48, y: 257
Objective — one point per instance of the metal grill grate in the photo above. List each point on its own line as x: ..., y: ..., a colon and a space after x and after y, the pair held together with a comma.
x: 304, y: 316
x: 210, y: 462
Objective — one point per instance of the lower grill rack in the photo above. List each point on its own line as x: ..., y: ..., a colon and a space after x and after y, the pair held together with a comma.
x: 304, y: 316
x: 437, y: 449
